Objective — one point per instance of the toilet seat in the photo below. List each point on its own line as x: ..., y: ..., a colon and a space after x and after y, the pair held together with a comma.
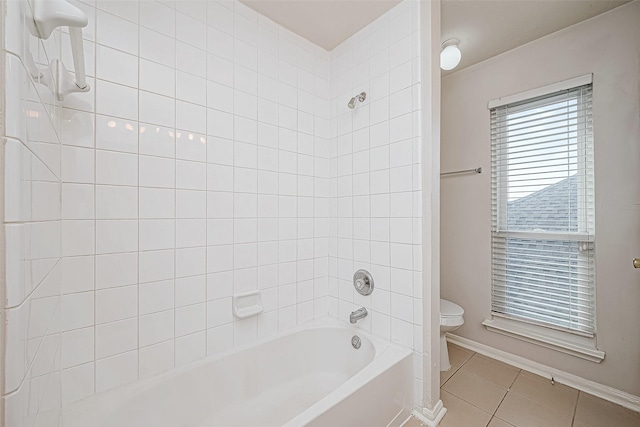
x: 450, y: 309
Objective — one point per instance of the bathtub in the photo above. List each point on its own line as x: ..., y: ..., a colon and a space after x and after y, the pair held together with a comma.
x: 309, y: 376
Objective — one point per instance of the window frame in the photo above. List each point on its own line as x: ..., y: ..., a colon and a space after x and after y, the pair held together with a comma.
x: 568, y: 340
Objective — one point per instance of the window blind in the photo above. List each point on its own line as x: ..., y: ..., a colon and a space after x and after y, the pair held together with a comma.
x: 543, y: 211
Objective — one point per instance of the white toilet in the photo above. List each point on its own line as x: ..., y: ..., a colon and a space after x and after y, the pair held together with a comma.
x: 451, y: 318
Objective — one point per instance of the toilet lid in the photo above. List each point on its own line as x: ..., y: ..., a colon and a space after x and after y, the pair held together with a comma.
x: 450, y: 309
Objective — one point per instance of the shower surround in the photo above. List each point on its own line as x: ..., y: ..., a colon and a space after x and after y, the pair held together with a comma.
x: 215, y: 154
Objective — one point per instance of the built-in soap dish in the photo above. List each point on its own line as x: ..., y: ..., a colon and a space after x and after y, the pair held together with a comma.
x: 247, y: 304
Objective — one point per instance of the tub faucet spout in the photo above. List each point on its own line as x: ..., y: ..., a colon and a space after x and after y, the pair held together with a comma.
x: 360, y: 313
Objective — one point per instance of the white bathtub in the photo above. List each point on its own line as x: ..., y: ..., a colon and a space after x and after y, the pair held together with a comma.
x: 310, y: 376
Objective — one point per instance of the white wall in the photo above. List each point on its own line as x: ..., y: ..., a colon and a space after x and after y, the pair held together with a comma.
x: 375, y: 179
x: 607, y: 46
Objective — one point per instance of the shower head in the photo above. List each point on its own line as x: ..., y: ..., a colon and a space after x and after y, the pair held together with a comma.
x: 358, y: 98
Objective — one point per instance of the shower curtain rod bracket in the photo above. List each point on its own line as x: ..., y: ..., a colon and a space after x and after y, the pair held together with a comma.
x: 49, y: 15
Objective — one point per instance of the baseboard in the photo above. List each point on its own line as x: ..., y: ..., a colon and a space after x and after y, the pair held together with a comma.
x: 605, y: 392
x: 431, y: 417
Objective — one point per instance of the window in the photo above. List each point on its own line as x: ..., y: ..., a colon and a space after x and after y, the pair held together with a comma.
x: 543, y: 210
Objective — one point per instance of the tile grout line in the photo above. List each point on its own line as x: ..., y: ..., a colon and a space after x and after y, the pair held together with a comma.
x: 575, y: 409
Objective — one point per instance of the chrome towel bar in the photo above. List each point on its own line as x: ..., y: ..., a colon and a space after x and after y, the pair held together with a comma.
x: 476, y: 170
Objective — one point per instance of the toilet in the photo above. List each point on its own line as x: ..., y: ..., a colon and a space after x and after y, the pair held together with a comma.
x: 451, y: 318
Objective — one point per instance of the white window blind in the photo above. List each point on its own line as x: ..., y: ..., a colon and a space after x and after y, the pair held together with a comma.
x: 543, y: 211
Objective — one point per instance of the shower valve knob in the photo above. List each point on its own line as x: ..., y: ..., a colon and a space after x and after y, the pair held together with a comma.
x: 363, y: 282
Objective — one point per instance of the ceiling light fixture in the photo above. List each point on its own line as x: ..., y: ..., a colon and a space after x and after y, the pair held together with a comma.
x: 450, y: 54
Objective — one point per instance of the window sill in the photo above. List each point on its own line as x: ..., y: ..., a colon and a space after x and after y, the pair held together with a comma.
x: 582, y: 347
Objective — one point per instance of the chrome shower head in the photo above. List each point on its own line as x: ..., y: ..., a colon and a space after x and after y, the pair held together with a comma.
x: 358, y: 98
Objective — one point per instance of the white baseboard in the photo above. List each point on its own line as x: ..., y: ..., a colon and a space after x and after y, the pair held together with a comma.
x: 605, y: 392
x: 431, y: 417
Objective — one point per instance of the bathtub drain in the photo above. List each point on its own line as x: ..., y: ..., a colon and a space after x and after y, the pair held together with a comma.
x: 355, y: 342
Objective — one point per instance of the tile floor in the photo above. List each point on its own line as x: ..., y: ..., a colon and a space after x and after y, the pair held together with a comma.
x: 482, y: 392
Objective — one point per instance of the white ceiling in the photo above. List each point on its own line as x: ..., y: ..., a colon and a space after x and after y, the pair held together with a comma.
x: 326, y: 23
x: 485, y: 28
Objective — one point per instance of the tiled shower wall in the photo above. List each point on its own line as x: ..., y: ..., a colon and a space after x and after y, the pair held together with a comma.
x: 194, y: 169
x: 189, y: 174
x: 213, y: 155
x: 32, y: 225
x: 376, y: 179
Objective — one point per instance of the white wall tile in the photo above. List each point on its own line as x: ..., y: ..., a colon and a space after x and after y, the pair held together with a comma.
x: 156, y: 265
x: 77, y: 383
x: 77, y: 165
x: 116, y: 304
x: 116, y: 66
x: 190, y: 319
x: 77, y: 347
x: 116, y: 371
x: 190, y: 59
x: 116, y: 337
x: 220, y: 338
x: 117, y: 33
x: 113, y: 133
x: 116, y: 100
x: 158, y: 17
x: 116, y: 270
x: 157, y: 78
x: 116, y: 236
x: 190, y: 348
x: 191, y: 175
x: 157, y: 203
x: 79, y: 237
x: 156, y: 296
x: 191, y: 232
x: 77, y: 274
x: 77, y: 201
x: 116, y: 168
x: 157, y: 47
x: 77, y: 311
x: 190, y: 145
x: 156, y: 140
x: 116, y: 202
x: 156, y: 327
x: 155, y: 234
x: 157, y: 109
x: 191, y: 262
x: 157, y: 172
x: 190, y: 290
x: 156, y: 358
x: 191, y: 204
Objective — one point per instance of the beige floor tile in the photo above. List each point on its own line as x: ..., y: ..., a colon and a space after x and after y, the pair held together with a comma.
x: 491, y: 370
x: 458, y: 355
x: 522, y: 412
x: 557, y: 397
x: 462, y: 414
x: 413, y: 422
x: 475, y: 390
x: 595, y: 412
x: 497, y: 422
